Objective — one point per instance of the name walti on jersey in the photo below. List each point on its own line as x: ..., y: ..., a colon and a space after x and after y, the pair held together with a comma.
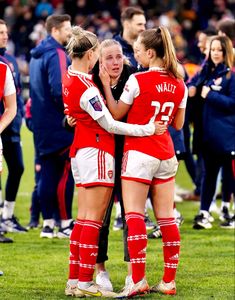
x: 166, y: 87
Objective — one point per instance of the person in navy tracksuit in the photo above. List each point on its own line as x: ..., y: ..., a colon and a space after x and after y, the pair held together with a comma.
x: 217, y: 83
x: 133, y: 22
x: 52, y: 141
x: 11, y: 140
x: 35, y: 208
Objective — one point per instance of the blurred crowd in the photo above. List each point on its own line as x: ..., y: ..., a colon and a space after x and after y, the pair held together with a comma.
x: 184, y: 18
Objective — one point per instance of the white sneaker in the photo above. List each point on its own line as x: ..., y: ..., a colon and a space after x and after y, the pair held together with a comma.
x: 179, y: 190
x: 103, y: 280
x: 214, y: 208
x: 167, y: 288
x: 94, y: 290
x: 201, y: 221
x: 128, y: 283
x: 177, y: 198
x: 73, y: 290
x: 134, y: 289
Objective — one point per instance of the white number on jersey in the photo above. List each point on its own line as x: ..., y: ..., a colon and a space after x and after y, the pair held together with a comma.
x: 166, y: 110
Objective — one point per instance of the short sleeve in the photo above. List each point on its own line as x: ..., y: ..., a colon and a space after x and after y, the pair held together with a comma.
x: 9, y: 87
x: 92, y: 102
x: 131, y: 90
x: 184, y: 100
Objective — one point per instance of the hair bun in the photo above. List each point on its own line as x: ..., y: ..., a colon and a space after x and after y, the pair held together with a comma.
x: 78, y: 31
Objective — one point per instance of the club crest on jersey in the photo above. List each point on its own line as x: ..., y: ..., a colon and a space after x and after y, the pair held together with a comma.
x: 110, y: 174
x: 96, y: 104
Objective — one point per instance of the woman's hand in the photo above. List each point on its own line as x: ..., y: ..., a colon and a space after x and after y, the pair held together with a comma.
x: 104, y: 76
x: 192, y: 91
x: 160, y: 127
x: 205, y: 91
x: 71, y: 121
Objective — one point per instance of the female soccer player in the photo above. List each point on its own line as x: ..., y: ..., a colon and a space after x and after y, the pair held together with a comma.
x: 157, y: 94
x: 92, y: 160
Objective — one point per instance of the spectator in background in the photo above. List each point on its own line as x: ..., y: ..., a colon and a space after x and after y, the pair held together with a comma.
x: 215, y: 84
x: 8, y: 96
x: 194, y: 167
x: 133, y: 23
x: 52, y: 141
x: 35, y: 209
x: 43, y: 9
x: 227, y: 27
x: 12, y: 149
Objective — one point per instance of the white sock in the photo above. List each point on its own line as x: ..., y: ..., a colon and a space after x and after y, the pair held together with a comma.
x: 8, y: 209
x: 84, y: 284
x: 225, y: 204
x: 205, y: 213
x: 49, y: 222
x: 118, y: 209
x: 73, y: 282
x: 66, y: 223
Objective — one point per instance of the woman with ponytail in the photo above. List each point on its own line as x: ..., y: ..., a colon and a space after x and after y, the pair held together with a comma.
x: 158, y: 94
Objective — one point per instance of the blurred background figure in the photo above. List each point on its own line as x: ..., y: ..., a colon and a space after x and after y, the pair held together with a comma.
x: 8, y: 97
x: 52, y: 141
x: 12, y: 150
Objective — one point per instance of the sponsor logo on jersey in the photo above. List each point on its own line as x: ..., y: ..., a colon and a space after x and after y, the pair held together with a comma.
x: 96, y: 104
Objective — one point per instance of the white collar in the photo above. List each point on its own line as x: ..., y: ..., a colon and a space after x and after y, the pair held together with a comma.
x: 157, y: 69
x: 75, y: 73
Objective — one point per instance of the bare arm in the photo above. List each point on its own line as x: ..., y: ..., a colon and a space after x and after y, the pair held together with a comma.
x: 178, y: 120
x: 9, y: 111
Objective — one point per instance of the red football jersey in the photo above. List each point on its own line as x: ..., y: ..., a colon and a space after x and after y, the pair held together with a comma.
x: 79, y: 92
x: 154, y: 96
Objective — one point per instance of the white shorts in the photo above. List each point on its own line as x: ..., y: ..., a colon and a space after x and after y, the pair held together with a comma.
x: 144, y: 168
x: 92, y: 167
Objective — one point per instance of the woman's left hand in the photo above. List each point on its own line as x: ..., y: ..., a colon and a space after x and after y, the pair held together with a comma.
x: 104, y: 76
x: 71, y: 121
x: 160, y: 127
x: 205, y: 91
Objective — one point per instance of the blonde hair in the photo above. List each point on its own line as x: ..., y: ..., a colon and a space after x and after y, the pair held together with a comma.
x: 160, y: 40
x: 81, y: 41
x: 111, y: 42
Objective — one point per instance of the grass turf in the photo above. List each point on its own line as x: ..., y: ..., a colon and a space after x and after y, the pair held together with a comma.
x: 37, y: 268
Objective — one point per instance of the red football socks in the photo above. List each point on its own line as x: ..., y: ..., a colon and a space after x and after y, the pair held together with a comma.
x: 171, y: 247
x: 137, y: 244
x: 74, y: 250
x: 88, y: 249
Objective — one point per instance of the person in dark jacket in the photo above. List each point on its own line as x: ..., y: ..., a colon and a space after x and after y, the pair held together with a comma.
x: 52, y: 141
x: 133, y: 23
x: 11, y: 140
x: 217, y: 81
x: 111, y: 56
